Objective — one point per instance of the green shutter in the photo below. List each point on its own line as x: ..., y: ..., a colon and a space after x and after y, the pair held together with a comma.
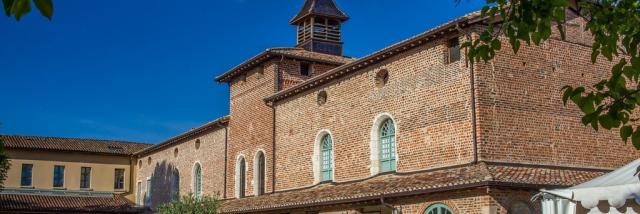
x: 387, y: 146
x: 438, y: 209
x: 325, y: 158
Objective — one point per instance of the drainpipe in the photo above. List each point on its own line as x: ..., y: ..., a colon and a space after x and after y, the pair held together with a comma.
x: 273, y: 126
x: 472, y: 86
x: 226, y: 134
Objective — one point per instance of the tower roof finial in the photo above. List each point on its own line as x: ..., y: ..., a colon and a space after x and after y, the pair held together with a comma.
x: 326, y: 8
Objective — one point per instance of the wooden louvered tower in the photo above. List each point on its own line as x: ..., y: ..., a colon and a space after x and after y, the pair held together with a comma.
x: 318, y: 25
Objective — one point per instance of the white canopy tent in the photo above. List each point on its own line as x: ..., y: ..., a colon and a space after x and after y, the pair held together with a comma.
x: 615, y: 192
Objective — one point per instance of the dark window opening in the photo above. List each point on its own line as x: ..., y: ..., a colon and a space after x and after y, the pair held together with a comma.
x: 453, y: 50
x: 241, y: 179
x: 305, y: 69
x: 85, y: 177
x: 26, y: 175
x: 58, y: 176
x: 261, y: 173
x: 119, y: 179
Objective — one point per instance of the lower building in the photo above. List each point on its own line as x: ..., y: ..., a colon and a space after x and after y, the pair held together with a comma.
x: 49, y: 174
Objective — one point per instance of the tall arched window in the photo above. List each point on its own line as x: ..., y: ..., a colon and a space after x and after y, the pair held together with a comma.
x: 387, y: 146
x: 175, y: 185
x: 259, y: 173
x: 438, y: 209
x: 241, y: 178
x: 197, y: 181
x: 326, y: 156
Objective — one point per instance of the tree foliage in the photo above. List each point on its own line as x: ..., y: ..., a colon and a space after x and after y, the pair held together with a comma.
x: 615, y: 26
x: 191, y: 204
x: 19, y: 8
x: 4, y: 164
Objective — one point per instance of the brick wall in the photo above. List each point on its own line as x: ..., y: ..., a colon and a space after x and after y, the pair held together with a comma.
x: 251, y: 125
x: 521, y: 117
x: 428, y: 100
x: 163, y: 162
x: 290, y: 72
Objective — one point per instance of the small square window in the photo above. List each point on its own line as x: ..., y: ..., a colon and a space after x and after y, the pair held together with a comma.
x: 453, y: 50
x: 305, y: 69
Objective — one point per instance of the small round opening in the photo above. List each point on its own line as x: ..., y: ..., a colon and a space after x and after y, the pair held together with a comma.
x: 382, y: 77
x: 197, y: 143
x: 175, y: 152
x: 149, y: 160
x: 322, y: 98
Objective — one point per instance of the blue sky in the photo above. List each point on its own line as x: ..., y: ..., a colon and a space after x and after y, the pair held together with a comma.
x: 143, y: 70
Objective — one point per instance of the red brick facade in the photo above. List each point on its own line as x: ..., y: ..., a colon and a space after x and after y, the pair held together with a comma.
x: 478, y: 139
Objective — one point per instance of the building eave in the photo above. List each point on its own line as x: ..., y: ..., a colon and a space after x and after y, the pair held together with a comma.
x: 208, y: 127
x: 265, y: 56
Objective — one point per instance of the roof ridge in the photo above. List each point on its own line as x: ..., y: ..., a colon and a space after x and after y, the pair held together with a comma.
x: 73, y: 138
x: 179, y: 137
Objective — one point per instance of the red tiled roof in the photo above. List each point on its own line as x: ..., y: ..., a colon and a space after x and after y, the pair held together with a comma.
x: 72, y: 144
x: 542, y: 175
x: 294, y: 53
x: 326, y: 8
x: 48, y: 204
x: 395, y: 185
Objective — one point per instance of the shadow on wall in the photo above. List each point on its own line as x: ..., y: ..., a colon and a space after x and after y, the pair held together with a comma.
x: 165, y: 182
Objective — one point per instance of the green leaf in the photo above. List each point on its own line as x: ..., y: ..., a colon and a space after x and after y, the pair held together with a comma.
x: 7, y: 6
x: 590, y: 118
x: 20, y: 8
x: 608, y: 122
x: 45, y: 7
x: 594, y: 56
x: 516, y: 46
x: 568, y: 91
x: 496, y: 44
x: 626, y: 132
x: 635, y: 139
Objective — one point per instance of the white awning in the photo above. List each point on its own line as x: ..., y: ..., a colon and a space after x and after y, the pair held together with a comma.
x: 615, y: 187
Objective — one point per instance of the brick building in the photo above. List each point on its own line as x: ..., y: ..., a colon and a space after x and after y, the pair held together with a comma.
x: 412, y: 128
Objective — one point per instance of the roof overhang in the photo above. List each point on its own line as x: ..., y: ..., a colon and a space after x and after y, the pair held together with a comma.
x: 265, y: 56
x: 210, y: 126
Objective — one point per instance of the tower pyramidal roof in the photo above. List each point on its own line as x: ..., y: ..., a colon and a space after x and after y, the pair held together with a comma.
x: 326, y: 8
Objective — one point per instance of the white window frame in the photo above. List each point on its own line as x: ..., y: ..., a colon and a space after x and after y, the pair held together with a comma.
x: 374, y: 143
x: 237, y: 175
x: 193, y: 180
x: 317, y: 153
x: 256, y: 179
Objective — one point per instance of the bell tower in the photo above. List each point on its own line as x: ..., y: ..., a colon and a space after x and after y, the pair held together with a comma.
x: 318, y: 25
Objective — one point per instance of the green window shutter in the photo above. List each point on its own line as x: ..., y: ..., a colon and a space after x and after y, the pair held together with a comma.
x: 387, y: 146
x: 438, y: 209
x: 325, y: 158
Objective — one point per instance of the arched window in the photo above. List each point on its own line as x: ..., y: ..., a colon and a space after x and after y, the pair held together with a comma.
x: 326, y: 156
x: 197, y: 181
x: 387, y: 146
x: 259, y: 173
x: 438, y: 209
x: 175, y: 185
x: 241, y: 178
